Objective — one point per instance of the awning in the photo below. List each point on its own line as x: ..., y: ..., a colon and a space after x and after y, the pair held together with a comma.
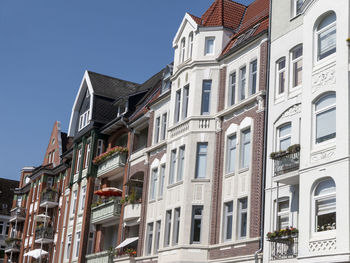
x: 127, y: 242
x: 36, y: 253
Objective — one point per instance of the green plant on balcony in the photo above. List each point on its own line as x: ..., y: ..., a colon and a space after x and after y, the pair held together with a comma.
x: 286, y: 233
x: 126, y: 252
x: 10, y: 240
x: 291, y: 149
x: 100, y: 201
x: 104, y: 156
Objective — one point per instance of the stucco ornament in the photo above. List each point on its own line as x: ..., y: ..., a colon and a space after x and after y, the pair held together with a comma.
x: 295, y: 109
x: 324, y: 78
x: 218, y: 124
x: 260, y: 100
x: 323, y: 155
x: 323, y: 245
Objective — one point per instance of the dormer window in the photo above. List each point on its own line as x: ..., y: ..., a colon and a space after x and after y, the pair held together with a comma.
x: 84, y: 119
x: 122, y: 108
x: 166, y: 84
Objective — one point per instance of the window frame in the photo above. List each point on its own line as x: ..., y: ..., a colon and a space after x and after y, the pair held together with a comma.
x: 206, y: 91
x: 318, y: 32
x: 232, y: 89
x: 225, y: 224
x: 173, y: 163
x: 281, y: 214
x: 206, y: 46
x: 153, y: 184
x: 185, y: 97
x: 229, y: 148
x: 181, y: 163
x: 242, y: 83
x: 157, y: 130
x: 253, y: 75
x: 242, y: 146
x: 240, y: 212
x: 149, y: 239
x: 196, y: 217
x: 157, y: 236
x: 177, y: 106
x: 182, y: 50
x: 164, y: 126
x: 198, y: 154
x: 167, y: 231
x: 279, y: 89
x: 190, y: 45
x: 176, y: 228
x: 284, y: 137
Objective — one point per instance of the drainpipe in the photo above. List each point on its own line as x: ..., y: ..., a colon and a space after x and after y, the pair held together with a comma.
x: 261, y: 243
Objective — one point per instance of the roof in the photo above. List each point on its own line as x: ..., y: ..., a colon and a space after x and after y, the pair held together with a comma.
x: 7, y: 188
x: 224, y: 13
x: 111, y: 87
x: 255, y: 21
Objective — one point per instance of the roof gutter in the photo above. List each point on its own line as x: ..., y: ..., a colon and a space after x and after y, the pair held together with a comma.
x: 262, y: 221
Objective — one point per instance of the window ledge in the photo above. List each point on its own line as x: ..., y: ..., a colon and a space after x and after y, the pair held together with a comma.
x: 324, y: 235
x: 199, y: 180
x: 175, y: 184
x: 160, y: 198
x: 243, y: 170
x: 227, y: 175
x: 152, y: 201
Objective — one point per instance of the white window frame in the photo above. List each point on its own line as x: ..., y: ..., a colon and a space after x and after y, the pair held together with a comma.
x: 242, y: 150
x: 198, y: 154
x: 77, y: 170
x: 181, y: 163
x: 149, y: 238
x: 157, y: 236
x: 182, y: 50
x: 157, y: 130
x: 293, y: 63
x: 176, y: 228
x: 84, y: 120
x: 153, y: 184
x: 196, y: 217
x: 205, y: 91
x: 280, y: 71
x: 190, y: 45
x: 253, y: 74
x: 206, y: 51
x: 161, y: 180
x: 229, y: 149
x: 281, y: 214
x: 295, y: 10
x: 74, y: 204
x: 322, y: 30
x: 164, y: 126
x: 185, y: 97
x: 77, y: 243
x: 321, y: 111
x: 284, y: 137
x: 173, y: 162
x: 69, y: 246
x: 82, y: 199
x: 232, y: 90
x: 225, y: 224
x: 241, y: 212
x: 177, y: 106
x: 242, y: 94
x: 88, y: 150
x: 167, y: 232
x: 99, y: 147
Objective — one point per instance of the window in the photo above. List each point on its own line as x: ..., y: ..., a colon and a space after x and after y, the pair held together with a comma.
x: 228, y: 220
x: 232, y: 89
x: 283, y: 213
x: 156, y: 131
x: 167, y: 228
x: 209, y: 45
x: 197, y: 213
x: 182, y: 51
x: 253, y: 77
x: 99, y: 147
x: 2, y: 227
x: 19, y: 201
x: 90, y: 243
x: 231, y: 153
x: 149, y: 238
x: 297, y: 5
x: 180, y: 168
x: 185, y: 102
x: 206, y: 89
x: 161, y: 180
x: 177, y: 106
x: 281, y: 71
x: 49, y: 157
x: 38, y: 191
x: 176, y: 226
x: 78, y: 161
x: 326, y: 36
x: 201, y: 160
x: 242, y: 83
x: 284, y: 137
x: 77, y: 244
x: 297, y: 66
x: 69, y: 243
x: 87, y: 158
x: 74, y: 201
x: 242, y: 217
x: 245, y: 149
x: 190, y: 45
x: 325, y: 206
x: 325, y: 114
x: 49, y: 181
x: 83, y: 195
x: 172, y: 166
x: 164, y: 119
x: 153, y: 184
x: 84, y: 119
x: 28, y: 227
x: 157, y: 236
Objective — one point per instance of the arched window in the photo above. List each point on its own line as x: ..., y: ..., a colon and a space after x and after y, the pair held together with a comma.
x: 190, y: 45
x: 325, y: 118
x: 182, y: 50
x: 325, y: 205
x: 326, y: 36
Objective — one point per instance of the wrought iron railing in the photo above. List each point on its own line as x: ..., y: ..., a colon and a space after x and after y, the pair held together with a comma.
x: 286, y: 163
x: 284, y: 248
x: 13, y: 244
x: 44, y: 232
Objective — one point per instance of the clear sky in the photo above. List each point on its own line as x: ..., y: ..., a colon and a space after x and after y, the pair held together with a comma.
x: 45, y: 47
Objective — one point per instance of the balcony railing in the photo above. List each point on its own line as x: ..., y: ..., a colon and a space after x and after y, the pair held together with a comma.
x: 132, y: 211
x: 101, y: 257
x: 44, y: 234
x: 18, y: 213
x: 286, y: 162
x: 284, y: 248
x: 49, y: 198
x: 106, y: 211
x: 13, y: 245
x: 112, y: 164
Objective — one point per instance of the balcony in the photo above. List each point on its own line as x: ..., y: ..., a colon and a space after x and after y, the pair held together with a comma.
x: 44, y: 235
x: 49, y: 198
x: 284, y: 248
x: 132, y: 211
x: 105, y: 212
x: 19, y: 214
x: 13, y: 245
x: 286, y: 166
x: 193, y: 124
x: 101, y: 257
x: 111, y: 165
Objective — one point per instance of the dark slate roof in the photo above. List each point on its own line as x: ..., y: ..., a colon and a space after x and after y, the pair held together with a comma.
x: 64, y: 141
x: 7, y: 188
x: 111, y: 87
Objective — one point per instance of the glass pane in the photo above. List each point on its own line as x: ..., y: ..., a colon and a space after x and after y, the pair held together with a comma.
x: 325, y: 125
x: 325, y: 101
x: 285, y: 143
x: 297, y: 73
x: 327, y: 42
x: 281, y: 64
x: 228, y: 227
x: 326, y: 222
x: 201, y: 167
x: 281, y: 82
x: 209, y: 46
x: 285, y: 130
x: 206, y: 96
x: 283, y: 221
x: 283, y: 206
x: 325, y: 187
x: 243, y: 203
x: 243, y: 227
x: 327, y: 21
x: 298, y: 52
x: 197, y: 230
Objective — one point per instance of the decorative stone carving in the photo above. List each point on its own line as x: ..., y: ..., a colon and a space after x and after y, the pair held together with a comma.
x: 295, y: 109
x: 323, y: 155
x: 323, y: 245
x: 260, y: 101
x: 218, y: 124
x: 324, y: 78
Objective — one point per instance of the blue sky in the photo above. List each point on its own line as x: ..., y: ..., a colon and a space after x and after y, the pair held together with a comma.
x: 46, y: 46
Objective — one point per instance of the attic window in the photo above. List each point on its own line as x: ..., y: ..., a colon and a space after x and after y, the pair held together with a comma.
x: 122, y: 108
x: 246, y: 35
x: 84, y: 119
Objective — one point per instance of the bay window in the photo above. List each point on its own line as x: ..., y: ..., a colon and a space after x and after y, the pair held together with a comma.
x: 206, y: 89
x: 201, y: 160
x: 197, y: 214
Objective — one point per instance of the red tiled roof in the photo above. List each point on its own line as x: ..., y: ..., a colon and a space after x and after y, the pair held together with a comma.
x: 222, y: 13
x: 257, y: 13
